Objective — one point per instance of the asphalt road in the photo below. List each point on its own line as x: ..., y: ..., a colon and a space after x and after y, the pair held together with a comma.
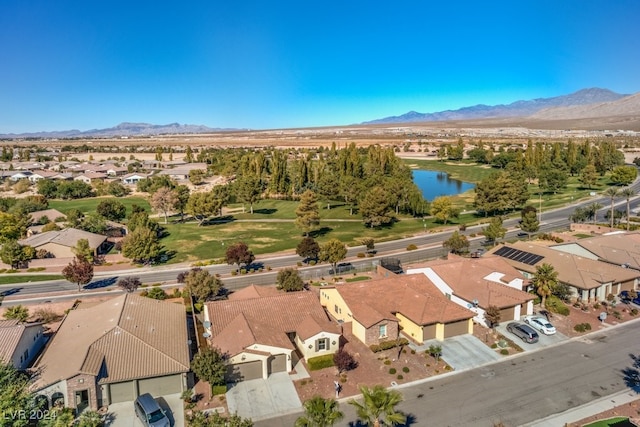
x: 519, y: 389
x: 430, y: 247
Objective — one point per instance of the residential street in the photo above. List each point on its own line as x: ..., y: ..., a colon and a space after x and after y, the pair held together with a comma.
x: 519, y: 389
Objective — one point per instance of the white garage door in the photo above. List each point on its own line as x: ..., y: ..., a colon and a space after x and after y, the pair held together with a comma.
x: 121, y: 392
x: 161, y: 386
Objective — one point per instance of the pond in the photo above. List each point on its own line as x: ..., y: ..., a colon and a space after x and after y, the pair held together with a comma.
x: 434, y: 184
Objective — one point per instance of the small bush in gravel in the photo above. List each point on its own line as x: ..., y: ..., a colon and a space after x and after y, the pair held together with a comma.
x: 400, y: 377
x: 392, y: 371
x: 405, y: 369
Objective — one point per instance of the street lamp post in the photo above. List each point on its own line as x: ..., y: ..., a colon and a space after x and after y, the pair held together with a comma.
x: 424, y: 224
x: 540, y: 211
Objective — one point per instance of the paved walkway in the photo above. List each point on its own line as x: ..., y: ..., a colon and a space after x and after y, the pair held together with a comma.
x: 259, y: 399
x: 123, y: 415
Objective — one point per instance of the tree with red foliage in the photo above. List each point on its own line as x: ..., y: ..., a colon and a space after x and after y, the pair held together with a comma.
x: 79, y: 271
x: 239, y: 253
x: 344, y: 360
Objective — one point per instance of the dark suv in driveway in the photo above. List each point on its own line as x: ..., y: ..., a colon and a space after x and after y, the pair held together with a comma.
x: 524, y: 332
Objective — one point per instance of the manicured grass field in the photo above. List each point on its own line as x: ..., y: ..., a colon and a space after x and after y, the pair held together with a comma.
x: 89, y: 205
x: 606, y: 423
x: 12, y: 278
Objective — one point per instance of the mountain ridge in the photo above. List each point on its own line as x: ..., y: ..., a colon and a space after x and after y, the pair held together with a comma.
x: 520, y: 108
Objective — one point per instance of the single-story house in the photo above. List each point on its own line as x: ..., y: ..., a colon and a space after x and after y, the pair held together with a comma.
x: 133, y: 178
x: 18, y: 175
x: 477, y: 283
x: 264, y: 335
x: 587, y: 278
x: 621, y: 249
x: 20, y: 342
x: 88, y: 177
x: 59, y: 243
x: 114, y: 351
x: 116, y: 170
x: 181, y: 173
x: 378, y: 310
x: 38, y: 175
x: 52, y: 214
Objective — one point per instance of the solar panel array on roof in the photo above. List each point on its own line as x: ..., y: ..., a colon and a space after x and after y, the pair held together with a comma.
x: 518, y: 255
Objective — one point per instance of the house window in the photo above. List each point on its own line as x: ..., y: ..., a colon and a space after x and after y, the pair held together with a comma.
x: 335, y: 308
x: 383, y: 331
x: 322, y: 344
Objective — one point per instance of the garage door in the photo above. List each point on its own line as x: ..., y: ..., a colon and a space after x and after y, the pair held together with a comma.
x: 244, y: 371
x: 428, y: 332
x: 121, y: 392
x: 277, y: 363
x: 161, y: 386
x: 456, y: 328
x: 507, y: 315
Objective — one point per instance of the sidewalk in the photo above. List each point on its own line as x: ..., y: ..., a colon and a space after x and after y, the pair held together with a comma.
x: 588, y: 409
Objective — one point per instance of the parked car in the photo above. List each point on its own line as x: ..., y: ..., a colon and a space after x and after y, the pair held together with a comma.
x: 541, y: 324
x: 523, y: 332
x: 342, y: 268
x: 149, y: 412
x: 626, y: 298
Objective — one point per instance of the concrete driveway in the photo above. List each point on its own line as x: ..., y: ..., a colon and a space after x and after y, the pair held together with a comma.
x: 259, y: 399
x: 123, y: 415
x: 543, y: 340
x: 464, y: 352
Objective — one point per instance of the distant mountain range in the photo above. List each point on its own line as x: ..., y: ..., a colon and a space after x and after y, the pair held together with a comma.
x: 122, y: 130
x: 515, y: 109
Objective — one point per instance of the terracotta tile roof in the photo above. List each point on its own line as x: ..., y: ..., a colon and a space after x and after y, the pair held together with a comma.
x: 253, y: 291
x: 467, y: 278
x: 414, y: 296
x: 574, y: 270
x: 133, y: 336
x: 236, y: 324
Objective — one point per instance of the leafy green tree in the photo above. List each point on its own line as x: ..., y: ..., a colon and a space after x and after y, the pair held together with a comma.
x: 209, y: 365
x: 376, y: 207
x: 16, y: 312
x: 544, y: 281
x: 83, y: 250
x: 308, y: 248
x: 494, y: 230
x: 435, y: 351
x: 320, y: 412
x: 369, y: 243
x: 93, y: 223
x: 553, y: 180
x: 14, y: 394
x: 612, y: 193
x: 74, y: 218
x: 457, y: 243
x: 248, y: 189
x: 333, y: 252
x: 196, y: 176
x: 239, y: 254
x: 624, y: 175
x: 182, y: 198
x: 202, y: 206
x: 153, y: 183
x: 164, y: 200
x: 13, y: 227
x: 112, y: 209
x: 48, y: 188
x: 14, y: 254
x: 442, y: 209
x: 203, y: 285
x: 308, y: 212
x: 289, y: 280
x: 78, y: 271
x: 592, y: 210
x: 156, y: 293
x: 142, y: 245
x: 529, y: 220
x: 628, y: 193
x: 116, y: 189
x: 589, y: 176
x: 501, y: 191
x: 378, y: 406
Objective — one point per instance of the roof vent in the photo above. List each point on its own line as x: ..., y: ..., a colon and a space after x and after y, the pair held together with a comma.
x: 207, y: 324
x: 206, y: 335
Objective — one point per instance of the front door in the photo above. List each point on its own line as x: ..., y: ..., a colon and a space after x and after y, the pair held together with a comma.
x: 82, y: 400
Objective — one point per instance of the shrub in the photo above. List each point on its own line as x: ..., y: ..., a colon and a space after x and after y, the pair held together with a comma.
x: 313, y: 262
x: 243, y: 271
x: 405, y: 369
x: 361, y: 255
x: 344, y: 360
x: 392, y: 371
x: 447, y: 368
x: 412, y: 247
x: 157, y: 293
x: 617, y: 314
x: 320, y: 362
x: 596, y: 305
x: 144, y: 293
x: 413, y: 351
x: 400, y: 377
x: 299, y: 263
x: 234, y: 273
x: 582, y: 327
x: 387, y: 362
x: 504, y: 352
x: 554, y: 304
x: 218, y: 389
x: 634, y: 312
x: 34, y: 269
x: 386, y: 345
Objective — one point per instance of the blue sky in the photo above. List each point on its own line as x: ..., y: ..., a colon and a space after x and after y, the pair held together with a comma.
x: 256, y: 64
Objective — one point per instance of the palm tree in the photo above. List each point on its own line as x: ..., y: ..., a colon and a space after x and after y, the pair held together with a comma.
x: 612, y: 192
x: 319, y: 412
x: 379, y: 405
x: 628, y: 193
x: 544, y: 281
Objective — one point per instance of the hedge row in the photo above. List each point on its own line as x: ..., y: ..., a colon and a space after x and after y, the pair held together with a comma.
x: 320, y: 362
x: 386, y: 345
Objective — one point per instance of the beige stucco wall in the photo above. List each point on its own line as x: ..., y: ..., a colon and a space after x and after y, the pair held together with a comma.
x: 335, y: 305
x: 58, y: 251
x: 409, y: 328
x: 303, y: 345
x: 31, y: 341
